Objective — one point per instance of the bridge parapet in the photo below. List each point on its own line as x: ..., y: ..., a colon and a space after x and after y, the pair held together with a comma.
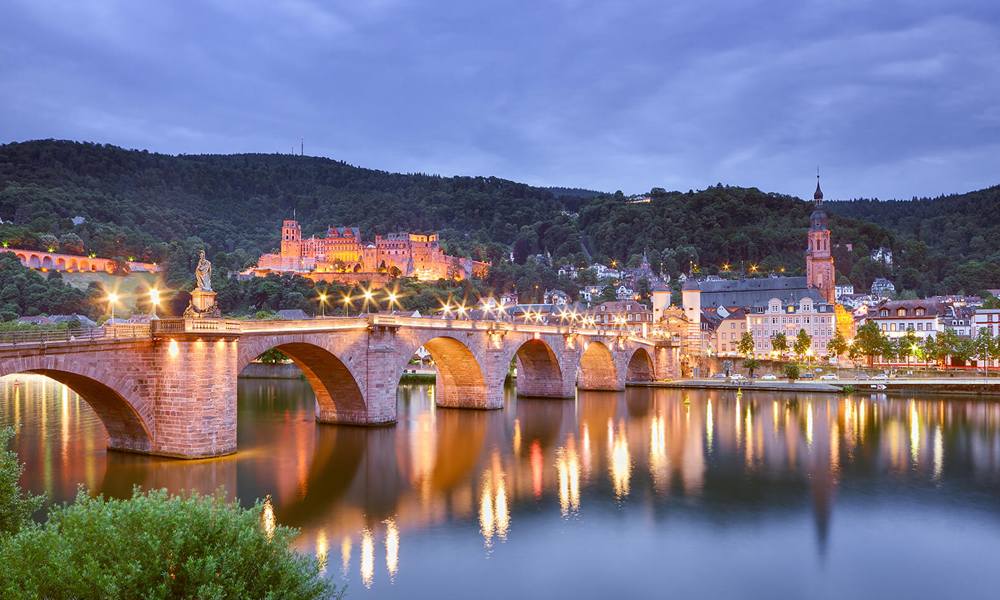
x: 168, y: 327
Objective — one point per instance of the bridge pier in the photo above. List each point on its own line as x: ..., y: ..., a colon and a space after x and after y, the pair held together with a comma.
x: 194, y: 394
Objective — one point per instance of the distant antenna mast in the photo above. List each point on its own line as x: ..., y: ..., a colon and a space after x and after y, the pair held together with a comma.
x: 303, y: 146
x: 293, y: 150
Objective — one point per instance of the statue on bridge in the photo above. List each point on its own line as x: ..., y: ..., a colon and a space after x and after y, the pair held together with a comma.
x: 203, y: 273
x: 202, y: 303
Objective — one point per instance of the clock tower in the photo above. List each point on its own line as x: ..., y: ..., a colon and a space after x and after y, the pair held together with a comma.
x: 820, y: 273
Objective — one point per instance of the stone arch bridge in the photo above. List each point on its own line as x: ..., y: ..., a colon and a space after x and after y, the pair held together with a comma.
x: 171, y: 389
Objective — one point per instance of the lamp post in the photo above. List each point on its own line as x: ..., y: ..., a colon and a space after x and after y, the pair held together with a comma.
x: 112, y: 298
x: 154, y: 298
x: 368, y: 298
x: 322, y: 305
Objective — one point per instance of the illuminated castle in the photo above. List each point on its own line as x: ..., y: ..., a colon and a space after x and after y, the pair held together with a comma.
x: 343, y: 253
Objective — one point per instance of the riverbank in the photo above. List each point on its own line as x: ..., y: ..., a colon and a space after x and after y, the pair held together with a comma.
x: 975, y: 387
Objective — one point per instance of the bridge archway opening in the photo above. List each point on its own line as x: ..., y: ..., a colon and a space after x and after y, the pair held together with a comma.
x: 34, y: 262
x: 597, y: 368
x: 640, y: 367
x: 74, y: 265
x: 338, y: 396
x: 125, y: 427
x: 538, y: 371
x: 61, y: 264
x: 460, y: 382
x: 47, y: 262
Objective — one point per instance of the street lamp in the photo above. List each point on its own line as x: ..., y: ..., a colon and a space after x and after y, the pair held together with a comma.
x: 154, y: 299
x: 368, y: 298
x: 112, y: 298
x: 322, y: 305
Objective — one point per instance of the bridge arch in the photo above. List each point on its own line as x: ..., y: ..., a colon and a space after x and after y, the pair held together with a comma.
x: 34, y: 262
x: 126, y: 415
x: 24, y: 259
x: 73, y: 265
x: 60, y: 264
x: 539, y: 373
x: 640, y: 366
x: 47, y: 262
x: 339, y: 398
x: 597, y: 368
x: 460, y: 382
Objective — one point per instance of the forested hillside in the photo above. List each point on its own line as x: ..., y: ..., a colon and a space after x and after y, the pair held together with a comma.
x: 163, y: 208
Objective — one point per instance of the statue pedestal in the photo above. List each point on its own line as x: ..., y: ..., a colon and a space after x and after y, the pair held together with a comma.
x: 202, y: 306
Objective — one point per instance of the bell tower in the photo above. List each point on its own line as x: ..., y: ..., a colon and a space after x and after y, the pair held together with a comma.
x: 820, y: 273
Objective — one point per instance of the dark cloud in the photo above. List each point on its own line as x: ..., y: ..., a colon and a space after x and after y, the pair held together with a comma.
x: 891, y: 99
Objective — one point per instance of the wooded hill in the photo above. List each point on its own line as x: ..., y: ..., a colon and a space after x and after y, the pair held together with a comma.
x: 161, y: 208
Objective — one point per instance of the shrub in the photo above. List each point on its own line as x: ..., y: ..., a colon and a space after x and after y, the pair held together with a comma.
x: 15, y: 506
x: 158, y: 546
x: 792, y: 371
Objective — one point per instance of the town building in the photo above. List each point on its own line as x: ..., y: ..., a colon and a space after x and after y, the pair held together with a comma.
x: 732, y: 324
x: 841, y: 290
x: 923, y: 317
x: 814, y: 315
x: 883, y: 288
x: 343, y: 256
x: 626, y: 315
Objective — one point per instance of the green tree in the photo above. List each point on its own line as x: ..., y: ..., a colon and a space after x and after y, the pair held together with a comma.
x: 780, y: 343
x: 870, y: 341
x: 802, y: 343
x: 751, y: 365
x: 837, y: 346
x: 986, y: 347
x: 746, y: 344
x: 907, y: 345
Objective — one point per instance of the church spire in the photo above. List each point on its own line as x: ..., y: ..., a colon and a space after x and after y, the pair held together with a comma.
x: 818, y: 196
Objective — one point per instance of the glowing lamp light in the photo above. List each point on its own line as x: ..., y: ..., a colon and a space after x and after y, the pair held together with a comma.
x: 174, y: 350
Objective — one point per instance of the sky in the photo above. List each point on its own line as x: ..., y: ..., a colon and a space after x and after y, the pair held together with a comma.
x: 889, y: 99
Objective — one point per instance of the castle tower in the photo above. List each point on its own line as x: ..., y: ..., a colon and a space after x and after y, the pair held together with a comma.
x: 291, y: 239
x: 820, y: 273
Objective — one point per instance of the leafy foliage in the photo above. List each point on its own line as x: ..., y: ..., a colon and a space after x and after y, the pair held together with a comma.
x: 157, y: 546
x: 15, y: 506
x: 24, y: 292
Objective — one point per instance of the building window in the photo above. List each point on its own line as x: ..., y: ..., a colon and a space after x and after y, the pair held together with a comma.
x: 901, y: 312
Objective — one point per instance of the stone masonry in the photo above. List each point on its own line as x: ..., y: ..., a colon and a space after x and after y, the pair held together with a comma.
x: 174, y: 393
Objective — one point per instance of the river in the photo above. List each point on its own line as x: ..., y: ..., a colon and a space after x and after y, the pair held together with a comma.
x: 644, y: 493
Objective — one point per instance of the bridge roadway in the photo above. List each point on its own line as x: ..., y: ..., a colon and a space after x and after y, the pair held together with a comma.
x: 170, y: 388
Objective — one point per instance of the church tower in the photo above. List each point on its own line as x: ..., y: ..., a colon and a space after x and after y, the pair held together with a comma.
x: 820, y: 273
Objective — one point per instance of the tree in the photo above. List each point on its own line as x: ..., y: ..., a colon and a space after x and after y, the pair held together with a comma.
x: 870, y: 341
x: 837, y: 346
x: 72, y: 243
x: 49, y: 242
x: 907, y: 345
x: 780, y: 343
x: 986, y: 346
x: 791, y: 372
x: 751, y: 365
x: 802, y: 343
x: 746, y: 344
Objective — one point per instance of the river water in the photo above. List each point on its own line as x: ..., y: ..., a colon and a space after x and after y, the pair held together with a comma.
x: 634, y: 494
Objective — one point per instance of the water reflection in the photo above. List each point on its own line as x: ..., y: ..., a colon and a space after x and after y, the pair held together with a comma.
x: 474, y: 483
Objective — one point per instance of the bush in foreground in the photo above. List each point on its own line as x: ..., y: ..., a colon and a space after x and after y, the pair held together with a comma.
x: 154, y: 545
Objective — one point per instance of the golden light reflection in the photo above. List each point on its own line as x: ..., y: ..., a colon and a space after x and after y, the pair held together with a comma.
x: 322, y: 549
x: 517, y: 437
x: 658, y: 461
x: 914, y: 432
x: 708, y: 425
x: 739, y: 424
x: 621, y: 464
x: 391, y: 548
x: 568, y: 468
x: 494, y: 515
x: 749, y: 426
x: 267, y: 520
x: 345, y: 554
x: 809, y: 424
x: 587, y: 454
x: 537, y: 468
x: 367, y: 557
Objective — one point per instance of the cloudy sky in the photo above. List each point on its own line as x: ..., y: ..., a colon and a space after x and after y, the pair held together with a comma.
x: 890, y: 98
